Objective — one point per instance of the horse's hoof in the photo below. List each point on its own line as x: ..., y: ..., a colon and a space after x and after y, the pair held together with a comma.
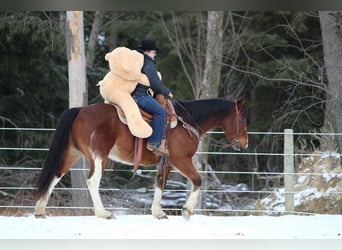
x: 109, y: 217
x: 105, y: 215
x: 40, y: 216
x: 186, y: 214
x: 160, y: 216
x: 163, y: 217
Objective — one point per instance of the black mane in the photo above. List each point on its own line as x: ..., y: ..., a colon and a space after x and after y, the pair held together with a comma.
x: 195, y: 112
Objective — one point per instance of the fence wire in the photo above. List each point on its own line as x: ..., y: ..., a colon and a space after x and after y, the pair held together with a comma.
x: 35, y: 170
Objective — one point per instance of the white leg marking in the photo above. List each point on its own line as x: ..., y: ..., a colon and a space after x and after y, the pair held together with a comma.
x: 93, y: 185
x: 157, y: 211
x: 42, y: 202
x: 192, y: 201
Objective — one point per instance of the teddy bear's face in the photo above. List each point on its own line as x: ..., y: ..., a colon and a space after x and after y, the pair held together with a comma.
x: 125, y: 63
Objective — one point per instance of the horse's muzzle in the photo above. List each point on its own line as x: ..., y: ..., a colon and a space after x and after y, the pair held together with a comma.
x: 239, y: 144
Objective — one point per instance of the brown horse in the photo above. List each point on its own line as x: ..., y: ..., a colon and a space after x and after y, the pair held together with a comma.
x: 96, y: 132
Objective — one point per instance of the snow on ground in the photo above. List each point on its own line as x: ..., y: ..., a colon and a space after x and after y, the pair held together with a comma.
x: 176, y: 227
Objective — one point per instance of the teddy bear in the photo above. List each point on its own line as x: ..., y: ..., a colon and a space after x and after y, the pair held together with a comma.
x: 118, y: 84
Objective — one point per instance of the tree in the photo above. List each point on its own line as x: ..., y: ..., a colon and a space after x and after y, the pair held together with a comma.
x: 213, y: 56
x: 78, y: 95
x: 93, y: 37
x: 186, y: 34
x: 331, y: 28
x: 31, y: 92
x: 201, y: 62
x: 209, y: 87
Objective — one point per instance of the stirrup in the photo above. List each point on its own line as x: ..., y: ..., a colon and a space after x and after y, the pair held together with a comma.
x: 160, y: 151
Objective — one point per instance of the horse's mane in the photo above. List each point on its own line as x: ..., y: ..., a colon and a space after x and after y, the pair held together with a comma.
x: 195, y: 112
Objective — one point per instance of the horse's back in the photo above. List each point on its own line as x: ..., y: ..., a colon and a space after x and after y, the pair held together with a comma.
x: 98, y: 109
x: 95, y: 128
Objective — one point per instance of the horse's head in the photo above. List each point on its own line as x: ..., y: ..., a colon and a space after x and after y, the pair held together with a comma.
x: 235, y: 125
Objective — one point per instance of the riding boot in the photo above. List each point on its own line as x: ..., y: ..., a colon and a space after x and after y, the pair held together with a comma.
x: 161, y: 150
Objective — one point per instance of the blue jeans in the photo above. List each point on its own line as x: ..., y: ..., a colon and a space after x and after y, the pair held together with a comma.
x: 150, y: 105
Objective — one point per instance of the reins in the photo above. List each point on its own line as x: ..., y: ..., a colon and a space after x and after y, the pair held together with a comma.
x: 191, y: 130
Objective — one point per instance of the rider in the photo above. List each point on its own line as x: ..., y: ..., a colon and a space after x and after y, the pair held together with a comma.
x: 144, y: 97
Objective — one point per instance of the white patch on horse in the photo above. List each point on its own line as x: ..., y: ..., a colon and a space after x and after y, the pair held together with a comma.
x: 157, y: 211
x: 115, y: 156
x: 42, y: 202
x: 192, y: 201
x: 93, y: 185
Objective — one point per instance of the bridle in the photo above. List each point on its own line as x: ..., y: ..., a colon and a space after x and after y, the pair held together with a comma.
x: 235, y: 143
x: 236, y: 140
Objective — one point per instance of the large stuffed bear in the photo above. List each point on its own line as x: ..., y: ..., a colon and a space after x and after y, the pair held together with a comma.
x: 118, y: 84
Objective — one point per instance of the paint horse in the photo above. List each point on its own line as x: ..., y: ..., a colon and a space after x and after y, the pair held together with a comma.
x: 96, y: 132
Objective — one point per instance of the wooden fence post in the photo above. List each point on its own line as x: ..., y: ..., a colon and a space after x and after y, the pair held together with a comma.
x: 289, y: 170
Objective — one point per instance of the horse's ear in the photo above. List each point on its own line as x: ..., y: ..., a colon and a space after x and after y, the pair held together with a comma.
x: 239, y: 102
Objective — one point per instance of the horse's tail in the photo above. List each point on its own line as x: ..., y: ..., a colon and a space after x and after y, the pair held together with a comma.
x: 57, y: 147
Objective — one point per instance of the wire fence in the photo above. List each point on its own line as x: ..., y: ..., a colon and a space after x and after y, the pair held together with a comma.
x: 175, y: 193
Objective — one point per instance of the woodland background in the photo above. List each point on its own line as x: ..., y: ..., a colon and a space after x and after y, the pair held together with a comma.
x: 286, y: 65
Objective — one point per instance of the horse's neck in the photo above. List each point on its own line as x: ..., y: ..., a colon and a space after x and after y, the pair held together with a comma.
x: 204, y: 115
x: 207, y: 126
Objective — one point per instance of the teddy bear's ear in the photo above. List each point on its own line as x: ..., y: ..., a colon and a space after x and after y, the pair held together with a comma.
x: 125, y: 63
x: 107, y: 56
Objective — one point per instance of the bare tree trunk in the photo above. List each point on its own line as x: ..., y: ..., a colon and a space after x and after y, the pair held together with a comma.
x: 95, y: 29
x: 204, y: 74
x: 113, y: 36
x: 213, y: 56
x: 331, y: 28
x: 210, y: 85
x: 78, y: 95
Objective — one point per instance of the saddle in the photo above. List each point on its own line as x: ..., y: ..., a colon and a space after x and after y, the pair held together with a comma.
x: 165, y: 103
x: 171, y: 122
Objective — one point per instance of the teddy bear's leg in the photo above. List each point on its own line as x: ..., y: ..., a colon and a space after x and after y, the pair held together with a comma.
x: 136, y: 124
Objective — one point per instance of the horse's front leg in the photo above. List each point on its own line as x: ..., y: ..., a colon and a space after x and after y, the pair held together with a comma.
x: 188, y: 208
x: 162, y: 175
x: 189, y: 171
x: 93, y: 185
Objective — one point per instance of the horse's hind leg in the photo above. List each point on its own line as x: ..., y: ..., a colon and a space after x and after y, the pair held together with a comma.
x: 93, y: 185
x: 162, y: 175
x: 69, y: 158
x: 39, y: 211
